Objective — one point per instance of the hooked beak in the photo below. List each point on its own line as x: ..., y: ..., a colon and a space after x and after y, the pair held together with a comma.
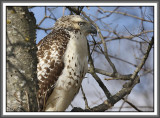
x: 93, y: 30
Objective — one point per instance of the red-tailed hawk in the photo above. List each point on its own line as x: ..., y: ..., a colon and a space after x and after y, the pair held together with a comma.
x: 62, y: 62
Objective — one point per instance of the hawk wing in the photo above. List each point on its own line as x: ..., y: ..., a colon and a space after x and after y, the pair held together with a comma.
x: 50, y: 63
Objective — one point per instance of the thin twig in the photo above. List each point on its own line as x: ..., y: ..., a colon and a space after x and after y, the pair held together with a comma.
x: 110, y: 74
x: 143, y: 60
x: 41, y: 28
x: 116, y: 76
x: 106, y: 15
x: 115, y: 98
x: 135, y: 36
x: 45, y: 11
x: 104, y: 44
x: 132, y: 105
x: 92, y: 71
x: 125, y: 14
x: 127, y: 37
x: 123, y: 104
x: 113, y: 78
x: 85, y: 99
x: 52, y: 13
x: 77, y: 10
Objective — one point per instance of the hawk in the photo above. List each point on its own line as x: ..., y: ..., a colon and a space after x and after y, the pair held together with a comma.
x: 62, y: 62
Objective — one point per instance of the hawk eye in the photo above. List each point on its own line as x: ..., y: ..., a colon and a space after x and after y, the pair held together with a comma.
x: 81, y: 23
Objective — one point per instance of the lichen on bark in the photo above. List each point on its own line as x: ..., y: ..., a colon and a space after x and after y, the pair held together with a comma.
x: 21, y: 60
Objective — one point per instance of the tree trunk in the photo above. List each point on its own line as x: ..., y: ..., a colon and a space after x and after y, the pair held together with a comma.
x: 21, y: 60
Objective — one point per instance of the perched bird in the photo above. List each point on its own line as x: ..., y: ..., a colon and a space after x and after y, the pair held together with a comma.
x: 62, y: 62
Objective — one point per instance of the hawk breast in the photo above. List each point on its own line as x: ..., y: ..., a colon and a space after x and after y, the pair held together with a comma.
x: 75, y: 68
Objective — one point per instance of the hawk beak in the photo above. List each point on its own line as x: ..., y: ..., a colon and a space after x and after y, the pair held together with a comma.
x: 93, y: 31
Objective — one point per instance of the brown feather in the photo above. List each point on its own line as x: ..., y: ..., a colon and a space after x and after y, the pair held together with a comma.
x: 47, y: 45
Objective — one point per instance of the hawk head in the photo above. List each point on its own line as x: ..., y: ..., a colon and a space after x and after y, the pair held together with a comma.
x: 75, y: 22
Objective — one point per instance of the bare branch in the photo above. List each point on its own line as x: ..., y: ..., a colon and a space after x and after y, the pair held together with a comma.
x: 41, y: 28
x: 92, y: 71
x: 143, y: 60
x: 131, y: 105
x: 106, y: 15
x: 85, y: 99
x: 104, y: 44
x: 76, y: 10
x: 125, y: 14
x: 127, y: 87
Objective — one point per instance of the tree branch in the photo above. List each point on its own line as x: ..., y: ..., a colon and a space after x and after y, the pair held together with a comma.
x: 127, y: 87
x: 92, y: 71
x: 104, y: 44
x: 144, y: 59
x: 125, y: 14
